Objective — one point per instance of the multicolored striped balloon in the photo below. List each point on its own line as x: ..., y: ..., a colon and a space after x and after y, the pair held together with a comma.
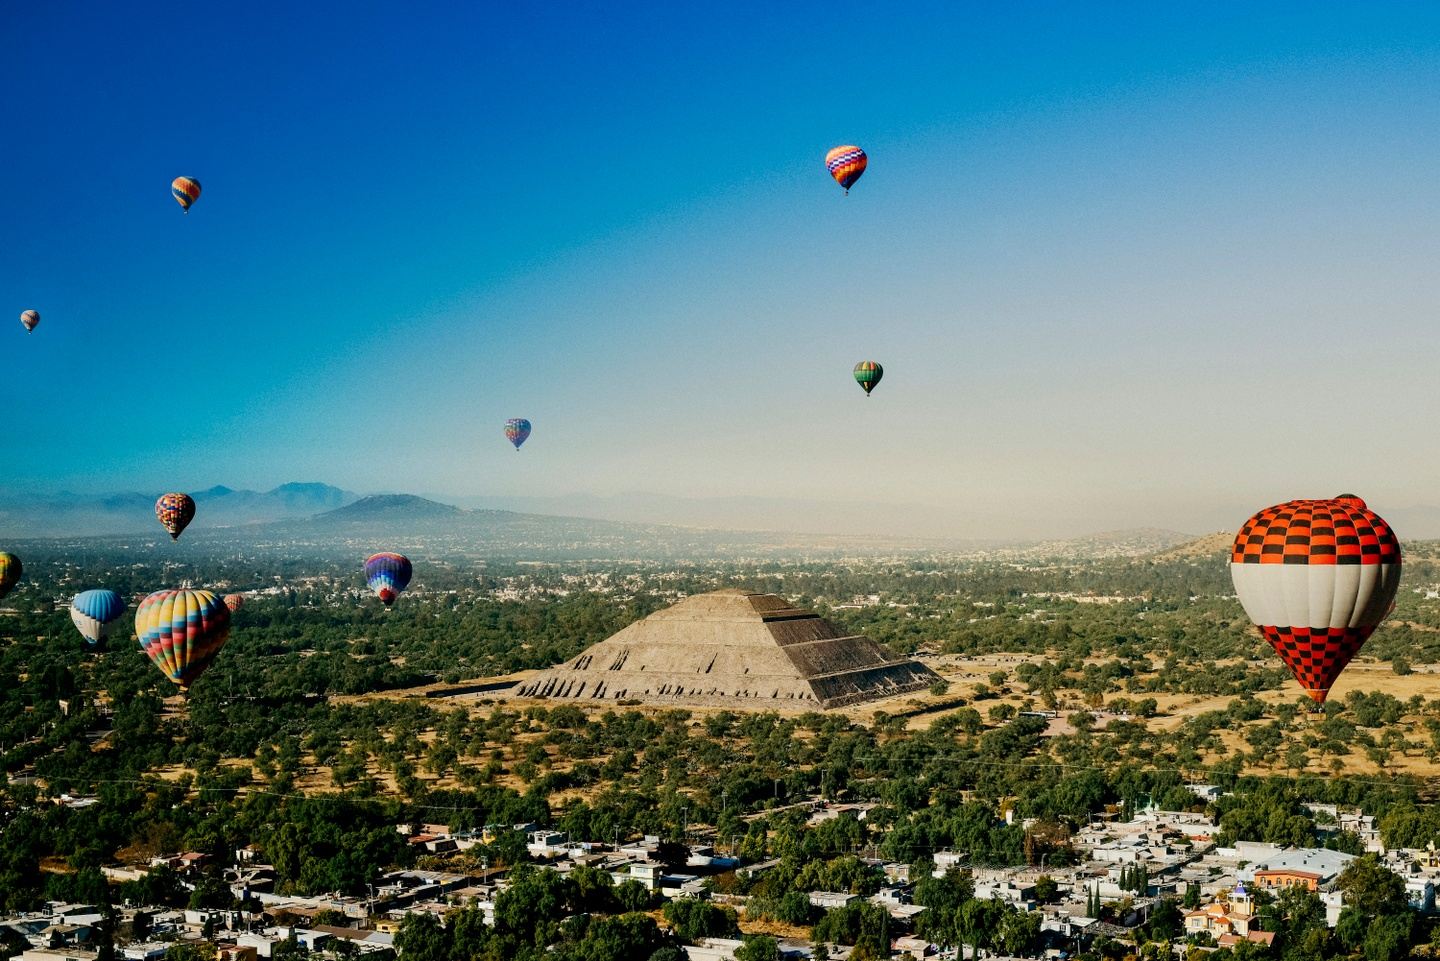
x: 182, y: 632
x: 846, y: 164
x: 868, y: 374
x: 175, y: 512
x: 387, y: 574
x: 1317, y: 577
x: 10, y: 571
x: 93, y: 612
x: 186, y: 191
x: 31, y: 319
x: 517, y: 429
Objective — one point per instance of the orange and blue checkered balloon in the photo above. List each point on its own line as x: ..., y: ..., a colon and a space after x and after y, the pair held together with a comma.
x: 175, y: 512
x: 186, y: 191
x: 182, y: 632
x: 846, y: 164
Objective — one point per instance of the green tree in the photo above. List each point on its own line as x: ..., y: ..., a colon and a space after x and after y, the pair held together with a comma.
x: 190, y: 951
x: 693, y: 919
x: 758, y: 947
x: 978, y: 923
x: 861, y: 924
x: 1019, y: 933
x: 421, y: 938
x: 1372, y: 889
x: 1388, y: 938
x: 632, y: 895
x: 529, y: 910
x: 621, y: 938
x: 942, y: 898
x: 1165, y: 922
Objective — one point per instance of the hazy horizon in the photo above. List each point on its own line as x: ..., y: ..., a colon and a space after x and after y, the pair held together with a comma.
x: 1124, y: 266
x: 741, y: 513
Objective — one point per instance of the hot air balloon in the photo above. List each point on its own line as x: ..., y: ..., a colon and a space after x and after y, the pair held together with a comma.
x: 93, y: 611
x: 186, y: 191
x: 182, y: 632
x: 1317, y: 577
x: 387, y: 574
x: 846, y: 164
x: 30, y: 318
x: 516, y: 430
x: 234, y: 602
x: 175, y: 512
x: 868, y: 374
x: 10, y: 571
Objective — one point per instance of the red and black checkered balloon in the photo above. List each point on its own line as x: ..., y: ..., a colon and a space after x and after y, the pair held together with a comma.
x: 1317, y: 577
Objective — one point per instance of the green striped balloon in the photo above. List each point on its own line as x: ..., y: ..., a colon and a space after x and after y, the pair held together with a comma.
x: 868, y: 374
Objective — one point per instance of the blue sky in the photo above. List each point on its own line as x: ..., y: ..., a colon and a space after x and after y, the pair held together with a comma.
x: 1124, y: 264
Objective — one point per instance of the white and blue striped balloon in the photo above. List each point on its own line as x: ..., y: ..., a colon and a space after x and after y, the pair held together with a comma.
x: 94, y: 611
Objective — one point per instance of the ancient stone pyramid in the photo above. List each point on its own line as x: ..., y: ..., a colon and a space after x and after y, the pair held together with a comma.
x: 732, y: 648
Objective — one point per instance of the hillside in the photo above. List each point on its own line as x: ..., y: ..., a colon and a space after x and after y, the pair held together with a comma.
x: 1135, y: 542
x: 388, y: 507
x: 1211, y: 545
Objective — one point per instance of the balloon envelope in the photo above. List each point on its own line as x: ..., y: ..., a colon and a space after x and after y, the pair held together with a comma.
x: 182, y: 632
x: 185, y: 190
x: 10, y: 571
x: 387, y: 574
x: 868, y: 374
x: 234, y: 602
x: 175, y: 512
x: 846, y: 164
x: 30, y: 318
x: 1317, y: 577
x: 517, y: 429
x: 93, y: 611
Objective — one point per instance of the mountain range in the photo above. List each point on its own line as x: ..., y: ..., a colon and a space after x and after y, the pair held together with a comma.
x: 74, y: 515
x: 324, y: 518
x: 318, y: 509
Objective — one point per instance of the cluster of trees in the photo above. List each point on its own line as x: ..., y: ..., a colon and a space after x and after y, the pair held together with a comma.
x: 955, y: 917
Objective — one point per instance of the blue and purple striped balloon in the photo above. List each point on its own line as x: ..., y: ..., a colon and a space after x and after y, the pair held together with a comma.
x: 387, y: 574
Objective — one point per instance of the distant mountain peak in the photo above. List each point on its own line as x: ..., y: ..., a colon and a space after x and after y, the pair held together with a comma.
x: 307, y: 487
x: 219, y: 490
x: 390, y: 506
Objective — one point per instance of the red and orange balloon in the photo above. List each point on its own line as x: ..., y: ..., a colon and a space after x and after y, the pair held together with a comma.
x: 1317, y: 577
